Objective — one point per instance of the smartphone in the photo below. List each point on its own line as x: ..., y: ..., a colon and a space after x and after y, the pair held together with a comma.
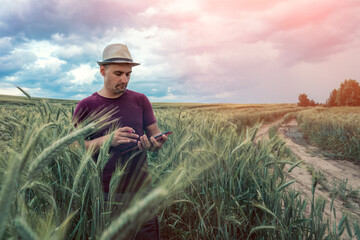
x: 157, y: 137
x: 164, y: 133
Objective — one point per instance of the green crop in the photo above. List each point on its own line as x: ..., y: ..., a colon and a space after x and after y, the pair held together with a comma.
x: 211, y: 180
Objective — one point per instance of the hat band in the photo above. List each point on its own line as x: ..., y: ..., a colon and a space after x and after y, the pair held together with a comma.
x: 117, y: 59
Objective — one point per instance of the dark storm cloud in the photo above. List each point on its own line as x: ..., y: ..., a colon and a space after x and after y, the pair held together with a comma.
x: 40, y: 19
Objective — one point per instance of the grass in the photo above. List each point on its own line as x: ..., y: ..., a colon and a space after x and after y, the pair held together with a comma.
x: 210, y: 180
x: 337, y: 188
x: 335, y: 130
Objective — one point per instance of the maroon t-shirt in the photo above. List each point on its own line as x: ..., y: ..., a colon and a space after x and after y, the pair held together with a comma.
x: 131, y: 109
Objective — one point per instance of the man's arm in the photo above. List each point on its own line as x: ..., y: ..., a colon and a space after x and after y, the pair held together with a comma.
x: 121, y: 136
x: 151, y: 144
x: 152, y: 130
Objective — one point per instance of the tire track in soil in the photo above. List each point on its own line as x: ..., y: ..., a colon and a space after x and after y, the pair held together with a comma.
x: 333, y: 170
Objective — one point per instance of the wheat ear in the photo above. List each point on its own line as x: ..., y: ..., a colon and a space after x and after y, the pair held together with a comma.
x: 45, y: 156
x: 136, y: 215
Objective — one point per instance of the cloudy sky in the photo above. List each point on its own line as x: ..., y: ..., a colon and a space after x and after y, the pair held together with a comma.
x: 230, y: 51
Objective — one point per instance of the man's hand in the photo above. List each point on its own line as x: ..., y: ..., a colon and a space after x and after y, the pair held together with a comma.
x: 124, y: 135
x: 151, y: 145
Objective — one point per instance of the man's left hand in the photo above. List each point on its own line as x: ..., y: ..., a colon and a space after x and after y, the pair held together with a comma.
x: 151, y: 144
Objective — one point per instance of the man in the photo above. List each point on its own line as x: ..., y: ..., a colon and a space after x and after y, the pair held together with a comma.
x: 132, y: 114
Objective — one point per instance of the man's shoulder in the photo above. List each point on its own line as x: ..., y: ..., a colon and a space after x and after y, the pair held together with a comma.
x: 90, y: 99
x: 84, y: 107
x: 135, y: 94
x: 88, y: 102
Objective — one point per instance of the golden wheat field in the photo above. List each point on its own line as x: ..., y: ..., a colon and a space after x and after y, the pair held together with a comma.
x: 210, y: 180
x: 335, y: 129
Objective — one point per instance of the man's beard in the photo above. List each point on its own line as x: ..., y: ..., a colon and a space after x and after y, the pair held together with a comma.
x: 120, y: 88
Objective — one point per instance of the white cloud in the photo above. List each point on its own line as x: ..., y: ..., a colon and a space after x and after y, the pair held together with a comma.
x: 11, y: 78
x: 167, y: 98
x: 182, y: 6
x: 16, y: 60
x: 79, y: 96
x: 5, y: 42
x: 44, y: 51
x: 225, y: 95
x: 70, y: 51
x: 203, y: 50
x: 84, y: 74
x: 36, y: 92
x: 149, y: 12
x: 11, y: 91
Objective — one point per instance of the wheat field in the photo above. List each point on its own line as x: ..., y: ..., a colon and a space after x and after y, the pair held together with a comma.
x: 334, y: 129
x: 211, y: 180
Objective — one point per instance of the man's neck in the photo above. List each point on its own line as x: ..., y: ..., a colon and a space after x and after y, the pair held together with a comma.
x: 107, y: 94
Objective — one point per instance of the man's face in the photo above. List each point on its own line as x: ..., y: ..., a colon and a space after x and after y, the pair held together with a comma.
x: 116, y: 77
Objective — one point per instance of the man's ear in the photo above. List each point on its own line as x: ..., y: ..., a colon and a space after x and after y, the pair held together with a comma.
x: 102, y: 70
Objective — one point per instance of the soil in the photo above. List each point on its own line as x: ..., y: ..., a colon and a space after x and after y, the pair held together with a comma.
x: 332, y: 172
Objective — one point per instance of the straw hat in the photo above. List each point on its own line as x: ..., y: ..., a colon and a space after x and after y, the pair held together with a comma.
x: 116, y: 53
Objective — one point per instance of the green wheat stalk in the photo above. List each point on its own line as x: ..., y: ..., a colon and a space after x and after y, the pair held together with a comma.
x: 24, y: 92
x: 48, y: 153
x: 11, y: 178
x: 24, y: 230
x: 81, y: 169
x: 8, y: 190
x: 127, y: 222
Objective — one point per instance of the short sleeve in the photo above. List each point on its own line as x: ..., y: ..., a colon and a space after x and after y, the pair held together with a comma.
x: 80, y: 113
x: 148, y: 113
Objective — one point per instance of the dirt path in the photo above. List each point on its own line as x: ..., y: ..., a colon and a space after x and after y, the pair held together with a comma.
x: 332, y: 173
x: 264, y: 129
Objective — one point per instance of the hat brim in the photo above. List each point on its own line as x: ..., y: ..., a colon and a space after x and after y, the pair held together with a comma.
x: 117, y: 61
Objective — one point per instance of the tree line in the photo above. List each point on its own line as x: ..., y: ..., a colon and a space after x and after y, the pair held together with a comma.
x: 348, y: 94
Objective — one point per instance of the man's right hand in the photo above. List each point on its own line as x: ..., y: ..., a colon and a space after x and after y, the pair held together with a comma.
x: 124, y: 135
